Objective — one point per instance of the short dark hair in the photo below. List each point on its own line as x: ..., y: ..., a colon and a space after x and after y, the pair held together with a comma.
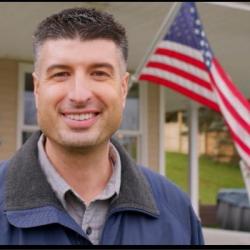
x: 87, y: 24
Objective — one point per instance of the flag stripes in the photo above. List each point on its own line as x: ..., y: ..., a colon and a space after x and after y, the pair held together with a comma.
x: 181, y: 72
x: 180, y: 48
x: 181, y: 65
x: 182, y: 57
x: 234, y: 110
x: 182, y: 89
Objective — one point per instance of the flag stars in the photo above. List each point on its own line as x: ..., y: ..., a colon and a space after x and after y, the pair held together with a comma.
x: 208, y: 63
x: 187, y: 30
x: 197, y: 22
x: 196, y: 31
x: 208, y: 54
x: 202, y: 43
x: 192, y: 10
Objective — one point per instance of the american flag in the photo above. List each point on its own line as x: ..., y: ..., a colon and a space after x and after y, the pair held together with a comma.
x: 184, y: 61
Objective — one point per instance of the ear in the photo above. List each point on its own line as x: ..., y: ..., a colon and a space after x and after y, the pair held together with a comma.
x: 125, y: 82
x: 36, y: 87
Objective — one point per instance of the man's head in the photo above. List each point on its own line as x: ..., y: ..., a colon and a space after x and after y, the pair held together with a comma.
x: 80, y: 78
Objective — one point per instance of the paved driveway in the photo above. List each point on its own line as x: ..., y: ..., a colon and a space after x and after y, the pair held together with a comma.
x: 225, y: 237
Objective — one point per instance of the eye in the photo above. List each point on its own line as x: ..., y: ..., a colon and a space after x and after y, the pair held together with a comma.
x: 61, y: 76
x: 100, y: 75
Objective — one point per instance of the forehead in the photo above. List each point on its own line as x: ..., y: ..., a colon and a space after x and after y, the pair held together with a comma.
x: 75, y: 51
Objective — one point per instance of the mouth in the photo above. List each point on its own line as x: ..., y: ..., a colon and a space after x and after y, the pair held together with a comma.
x: 80, y: 120
x: 80, y: 117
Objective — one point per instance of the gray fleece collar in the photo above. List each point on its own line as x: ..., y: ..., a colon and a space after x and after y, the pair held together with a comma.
x: 27, y: 187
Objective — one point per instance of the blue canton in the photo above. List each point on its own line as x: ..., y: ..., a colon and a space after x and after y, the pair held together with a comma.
x: 187, y: 30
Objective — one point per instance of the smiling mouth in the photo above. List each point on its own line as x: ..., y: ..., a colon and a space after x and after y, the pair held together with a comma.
x: 80, y: 117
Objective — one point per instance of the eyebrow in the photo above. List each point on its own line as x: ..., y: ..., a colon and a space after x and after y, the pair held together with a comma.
x: 56, y: 66
x: 103, y: 65
x: 94, y: 65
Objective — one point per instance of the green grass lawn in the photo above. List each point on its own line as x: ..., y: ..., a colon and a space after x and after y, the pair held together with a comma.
x: 213, y: 175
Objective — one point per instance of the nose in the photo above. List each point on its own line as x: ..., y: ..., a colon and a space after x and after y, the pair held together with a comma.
x: 80, y: 93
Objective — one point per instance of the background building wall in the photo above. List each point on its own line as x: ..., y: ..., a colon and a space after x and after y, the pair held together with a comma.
x: 8, y: 107
x: 212, y: 143
x: 176, y: 138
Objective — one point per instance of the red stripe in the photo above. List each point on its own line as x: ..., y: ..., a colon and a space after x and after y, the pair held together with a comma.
x: 242, y: 145
x: 181, y: 57
x: 229, y: 106
x: 181, y: 73
x: 180, y: 89
x: 231, y: 86
x: 235, y: 114
x: 232, y: 110
x: 237, y: 140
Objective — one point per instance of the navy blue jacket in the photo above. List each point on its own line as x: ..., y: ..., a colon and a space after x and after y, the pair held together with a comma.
x: 149, y: 209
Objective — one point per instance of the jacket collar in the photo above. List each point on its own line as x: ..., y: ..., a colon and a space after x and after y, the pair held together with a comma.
x: 27, y: 188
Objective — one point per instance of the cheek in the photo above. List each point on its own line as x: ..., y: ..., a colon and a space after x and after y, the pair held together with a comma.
x: 50, y: 96
x: 111, y: 96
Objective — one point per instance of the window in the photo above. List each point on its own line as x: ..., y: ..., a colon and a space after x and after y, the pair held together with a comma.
x: 131, y: 112
x: 27, y: 122
x: 129, y: 134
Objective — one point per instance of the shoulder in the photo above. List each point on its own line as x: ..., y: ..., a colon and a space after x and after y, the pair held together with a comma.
x: 170, y: 199
x: 163, y: 187
x: 175, y: 207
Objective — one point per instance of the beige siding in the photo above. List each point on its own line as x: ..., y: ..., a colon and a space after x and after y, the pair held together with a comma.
x: 153, y: 126
x: 173, y: 137
x: 176, y: 138
x: 8, y: 107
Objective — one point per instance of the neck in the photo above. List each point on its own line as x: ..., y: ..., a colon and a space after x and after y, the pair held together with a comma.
x: 86, y: 171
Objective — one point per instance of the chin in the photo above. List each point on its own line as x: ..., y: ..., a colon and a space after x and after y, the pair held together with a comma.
x: 77, y: 140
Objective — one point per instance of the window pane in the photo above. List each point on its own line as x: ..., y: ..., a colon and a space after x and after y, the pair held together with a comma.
x: 129, y: 143
x: 25, y: 136
x: 29, y: 101
x: 131, y: 112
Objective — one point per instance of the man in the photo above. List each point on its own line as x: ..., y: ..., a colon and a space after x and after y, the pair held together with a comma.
x: 70, y: 183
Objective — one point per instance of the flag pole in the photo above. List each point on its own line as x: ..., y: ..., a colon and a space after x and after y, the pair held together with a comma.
x: 193, y: 155
x: 161, y: 32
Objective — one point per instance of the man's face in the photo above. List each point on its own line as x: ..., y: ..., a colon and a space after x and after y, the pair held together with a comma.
x: 80, y: 91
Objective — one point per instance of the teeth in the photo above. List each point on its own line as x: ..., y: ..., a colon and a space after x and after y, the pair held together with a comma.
x: 80, y: 117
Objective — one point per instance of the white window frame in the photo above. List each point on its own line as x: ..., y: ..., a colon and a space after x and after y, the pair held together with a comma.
x: 143, y: 111
x: 21, y: 127
x: 141, y: 133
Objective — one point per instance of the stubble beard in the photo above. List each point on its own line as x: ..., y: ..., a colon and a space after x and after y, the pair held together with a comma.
x: 78, y: 141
